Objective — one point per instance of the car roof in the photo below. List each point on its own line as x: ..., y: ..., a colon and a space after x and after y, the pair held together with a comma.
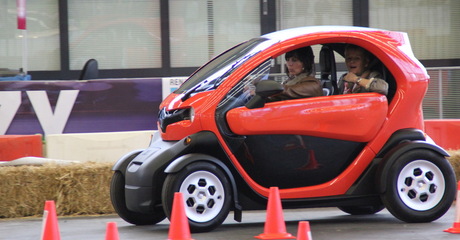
x: 290, y: 33
x: 401, y: 39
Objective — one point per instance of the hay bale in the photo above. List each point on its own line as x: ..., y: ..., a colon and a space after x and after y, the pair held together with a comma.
x: 454, y: 160
x: 77, y: 189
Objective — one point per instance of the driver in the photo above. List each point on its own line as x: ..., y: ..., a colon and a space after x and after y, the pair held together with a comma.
x: 301, y: 82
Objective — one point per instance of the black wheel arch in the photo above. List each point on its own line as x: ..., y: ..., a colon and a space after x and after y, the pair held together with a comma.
x: 400, y: 142
x: 397, y: 151
x: 123, y: 162
x: 403, y: 136
x: 117, y: 198
x: 187, y: 159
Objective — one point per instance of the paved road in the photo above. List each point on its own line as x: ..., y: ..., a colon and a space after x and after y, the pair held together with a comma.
x: 326, y: 224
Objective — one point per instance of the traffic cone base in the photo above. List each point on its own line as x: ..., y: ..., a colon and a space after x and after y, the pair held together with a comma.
x: 275, y: 236
x: 275, y: 227
x: 454, y: 229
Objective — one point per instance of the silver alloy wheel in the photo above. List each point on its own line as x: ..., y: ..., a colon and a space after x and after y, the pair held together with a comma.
x: 204, y: 196
x: 421, y: 185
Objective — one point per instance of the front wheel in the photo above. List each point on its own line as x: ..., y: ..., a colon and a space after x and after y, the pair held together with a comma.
x: 117, y: 195
x: 206, y: 191
x: 421, y: 186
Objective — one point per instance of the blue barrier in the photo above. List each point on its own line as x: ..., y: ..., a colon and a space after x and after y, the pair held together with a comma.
x: 19, y: 77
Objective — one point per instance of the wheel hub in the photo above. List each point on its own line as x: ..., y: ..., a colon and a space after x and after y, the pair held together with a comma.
x: 203, y: 195
x: 421, y: 185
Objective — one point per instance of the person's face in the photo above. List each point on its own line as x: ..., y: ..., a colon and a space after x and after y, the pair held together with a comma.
x: 294, y: 66
x: 356, y: 63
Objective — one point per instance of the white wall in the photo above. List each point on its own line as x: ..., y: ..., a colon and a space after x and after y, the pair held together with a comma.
x: 95, y: 147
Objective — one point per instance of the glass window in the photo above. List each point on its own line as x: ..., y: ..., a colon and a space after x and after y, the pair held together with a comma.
x: 118, y: 34
x: 42, y: 35
x: 202, y: 29
x: 299, y: 13
x: 244, y: 91
x: 433, y: 26
x: 216, y: 71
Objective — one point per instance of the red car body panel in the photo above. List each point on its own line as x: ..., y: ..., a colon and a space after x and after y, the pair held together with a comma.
x: 315, y: 117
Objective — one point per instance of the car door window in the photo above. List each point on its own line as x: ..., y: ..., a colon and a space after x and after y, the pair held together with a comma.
x: 245, y: 89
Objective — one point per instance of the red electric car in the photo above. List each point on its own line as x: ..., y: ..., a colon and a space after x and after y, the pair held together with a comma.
x: 223, y: 147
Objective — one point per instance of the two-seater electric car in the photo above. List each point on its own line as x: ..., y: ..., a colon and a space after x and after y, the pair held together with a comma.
x: 223, y: 145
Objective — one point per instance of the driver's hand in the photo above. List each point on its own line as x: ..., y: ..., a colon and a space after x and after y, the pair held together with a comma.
x: 251, y: 88
x: 350, y: 77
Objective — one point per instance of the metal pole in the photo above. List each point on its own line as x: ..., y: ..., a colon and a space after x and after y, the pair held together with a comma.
x: 25, y: 51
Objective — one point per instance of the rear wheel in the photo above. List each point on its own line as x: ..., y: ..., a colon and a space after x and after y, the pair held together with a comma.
x: 362, y: 210
x: 206, y: 191
x: 420, y: 186
x: 117, y: 195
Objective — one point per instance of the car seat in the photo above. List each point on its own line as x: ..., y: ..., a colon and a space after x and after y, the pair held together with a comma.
x: 328, y: 71
x: 377, y: 65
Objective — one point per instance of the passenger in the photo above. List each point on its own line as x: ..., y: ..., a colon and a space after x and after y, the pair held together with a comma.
x: 300, y: 70
x: 360, y: 78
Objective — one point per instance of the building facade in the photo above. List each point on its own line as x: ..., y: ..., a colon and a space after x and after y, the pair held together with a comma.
x: 140, y: 38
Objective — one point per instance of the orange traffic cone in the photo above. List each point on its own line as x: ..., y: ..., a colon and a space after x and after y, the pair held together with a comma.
x: 275, y: 227
x: 112, y: 231
x: 456, y: 226
x: 303, y: 232
x: 50, y: 229
x: 179, y: 228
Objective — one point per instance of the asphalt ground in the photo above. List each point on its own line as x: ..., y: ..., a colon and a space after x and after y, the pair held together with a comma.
x: 325, y: 223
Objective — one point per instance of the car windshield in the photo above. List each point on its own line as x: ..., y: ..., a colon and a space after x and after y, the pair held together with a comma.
x: 216, y: 71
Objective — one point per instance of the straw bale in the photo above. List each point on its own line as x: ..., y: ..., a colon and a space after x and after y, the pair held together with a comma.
x: 454, y: 160
x: 77, y: 189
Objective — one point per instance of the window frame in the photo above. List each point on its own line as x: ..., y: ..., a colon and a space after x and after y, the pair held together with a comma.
x: 268, y: 23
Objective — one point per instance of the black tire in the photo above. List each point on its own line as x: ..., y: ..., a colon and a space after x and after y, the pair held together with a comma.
x: 195, y: 181
x: 117, y: 195
x: 420, y: 186
x: 362, y: 210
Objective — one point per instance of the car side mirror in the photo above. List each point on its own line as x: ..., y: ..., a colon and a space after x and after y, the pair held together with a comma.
x: 264, y: 89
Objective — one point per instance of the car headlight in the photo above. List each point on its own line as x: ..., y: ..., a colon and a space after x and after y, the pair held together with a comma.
x: 166, y: 118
